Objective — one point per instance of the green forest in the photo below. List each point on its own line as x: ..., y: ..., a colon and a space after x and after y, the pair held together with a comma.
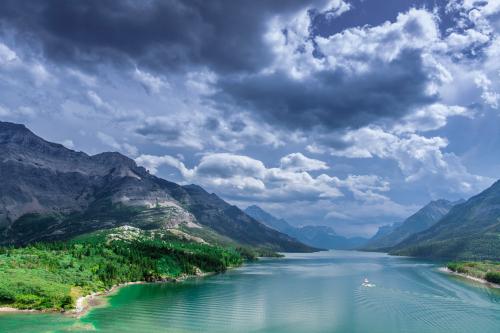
x: 51, y: 276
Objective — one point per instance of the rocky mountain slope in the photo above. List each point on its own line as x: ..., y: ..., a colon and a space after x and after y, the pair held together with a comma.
x: 470, y: 230
x: 51, y: 192
x: 318, y: 236
x: 421, y: 220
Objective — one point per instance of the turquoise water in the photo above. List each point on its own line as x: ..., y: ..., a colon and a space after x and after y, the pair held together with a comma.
x: 319, y: 292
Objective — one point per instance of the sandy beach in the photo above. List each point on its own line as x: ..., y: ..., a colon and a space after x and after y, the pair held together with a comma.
x: 472, y: 278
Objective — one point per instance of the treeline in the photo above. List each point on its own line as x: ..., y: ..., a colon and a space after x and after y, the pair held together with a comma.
x: 487, y: 270
x: 54, y: 275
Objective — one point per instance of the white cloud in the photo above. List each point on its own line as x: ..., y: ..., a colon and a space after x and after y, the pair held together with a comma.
x: 335, y: 8
x: 489, y: 96
x: 299, y: 162
x: 97, y: 101
x: 290, y: 39
x: 152, y: 163
x: 419, y: 158
x: 354, y: 49
x: 150, y: 83
x: 68, y: 144
x: 429, y: 118
x: 474, y: 8
x: 7, y: 56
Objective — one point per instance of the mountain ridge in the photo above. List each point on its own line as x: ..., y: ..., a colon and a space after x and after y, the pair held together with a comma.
x: 470, y: 230
x: 424, y: 218
x: 51, y: 192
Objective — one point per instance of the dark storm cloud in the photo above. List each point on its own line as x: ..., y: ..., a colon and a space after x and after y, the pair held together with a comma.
x: 225, y: 35
x: 333, y: 99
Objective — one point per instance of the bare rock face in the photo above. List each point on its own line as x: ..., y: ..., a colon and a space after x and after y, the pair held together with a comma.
x: 50, y: 192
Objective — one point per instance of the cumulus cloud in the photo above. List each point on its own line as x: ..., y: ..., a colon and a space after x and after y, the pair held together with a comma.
x: 299, y: 162
x: 489, y: 96
x: 242, y: 177
x: 419, y: 158
x: 431, y: 118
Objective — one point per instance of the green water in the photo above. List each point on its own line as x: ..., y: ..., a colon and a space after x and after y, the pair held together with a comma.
x: 319, y: 292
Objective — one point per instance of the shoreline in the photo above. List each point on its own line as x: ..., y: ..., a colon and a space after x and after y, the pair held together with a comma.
x: 469, y: 277
x: 84, y: 304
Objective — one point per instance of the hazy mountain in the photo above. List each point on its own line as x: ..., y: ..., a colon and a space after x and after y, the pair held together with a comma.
x: 51, y: 192
x: 470, y: 230
x: 383, y: 231
x: 421, y: 220
x: 317, y: 236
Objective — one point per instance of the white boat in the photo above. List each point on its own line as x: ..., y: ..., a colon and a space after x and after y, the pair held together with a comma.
x: 367, y: 283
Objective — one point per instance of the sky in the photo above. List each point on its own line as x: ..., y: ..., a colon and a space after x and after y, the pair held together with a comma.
x: 346, y: 113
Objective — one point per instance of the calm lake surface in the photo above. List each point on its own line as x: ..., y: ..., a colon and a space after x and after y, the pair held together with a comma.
x: 308, y: 293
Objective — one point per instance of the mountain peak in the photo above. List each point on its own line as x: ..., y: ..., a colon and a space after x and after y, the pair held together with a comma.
x: 440, y: 202
x: 12, y: 132
x: 19, y: 137
x: 114, y: 159
x: 256, y: 210
x: 5, y: 125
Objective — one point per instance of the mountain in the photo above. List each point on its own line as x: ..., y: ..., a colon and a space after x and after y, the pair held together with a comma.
x: 50, y: 192
x: 421, y: 220
x: 316, y: 236
x: 271, y: 221
x: 470, y: 230
x: 382, y: 232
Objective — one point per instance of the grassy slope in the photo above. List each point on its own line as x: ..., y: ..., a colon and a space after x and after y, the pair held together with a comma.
x: 51, y: 276
x: 487, y: 270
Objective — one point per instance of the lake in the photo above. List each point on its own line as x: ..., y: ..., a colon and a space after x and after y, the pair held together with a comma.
x: 319, y: 292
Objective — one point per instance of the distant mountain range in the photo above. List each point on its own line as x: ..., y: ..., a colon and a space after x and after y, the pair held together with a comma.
x: 49, y: 192
x: 317, y: 236
x: 420, y: 221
